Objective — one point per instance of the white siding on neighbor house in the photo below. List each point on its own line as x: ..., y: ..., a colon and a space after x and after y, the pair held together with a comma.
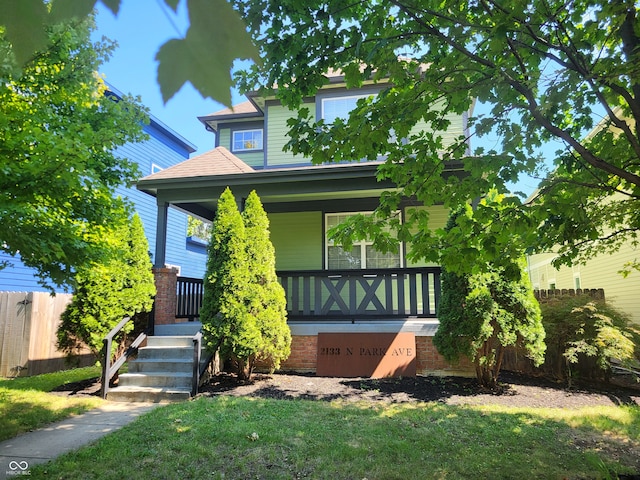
x: 600, y: 271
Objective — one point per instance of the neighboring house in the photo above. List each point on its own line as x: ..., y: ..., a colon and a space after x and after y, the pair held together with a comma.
x: 329, y: 290
x: 601, y: 271
x: 163, y: 149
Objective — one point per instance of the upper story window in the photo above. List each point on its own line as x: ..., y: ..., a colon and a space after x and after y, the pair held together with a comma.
x: 338, y: 107
x: 362, y: 254
x: 155, y: 168
x: 247, y: 140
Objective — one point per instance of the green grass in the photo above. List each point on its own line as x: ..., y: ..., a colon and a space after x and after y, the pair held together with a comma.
x: 245, y: 438
x: 26, y: 404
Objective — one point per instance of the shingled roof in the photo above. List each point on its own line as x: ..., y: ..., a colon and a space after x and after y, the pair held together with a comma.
x: 218, y: 161
x: 241, y: 108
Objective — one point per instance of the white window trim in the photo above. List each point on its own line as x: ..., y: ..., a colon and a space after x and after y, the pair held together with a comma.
x: 155, y: 168
x: 340, y: 97
x: 233, y: 141
x: 363, y: 243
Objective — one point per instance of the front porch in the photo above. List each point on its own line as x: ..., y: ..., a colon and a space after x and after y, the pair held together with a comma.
x: 383, y: 301
x: 385, y: 292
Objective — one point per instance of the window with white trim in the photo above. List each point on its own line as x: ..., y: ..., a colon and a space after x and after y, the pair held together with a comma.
x: 247, y: 140
x: 362, y: 254
x: 155, y: 168
x: 338, y: 107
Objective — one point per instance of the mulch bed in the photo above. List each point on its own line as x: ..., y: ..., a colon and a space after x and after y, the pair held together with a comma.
x: 515, y: 390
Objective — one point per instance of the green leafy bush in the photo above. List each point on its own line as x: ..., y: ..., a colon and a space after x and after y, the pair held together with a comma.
x: 482, y: 314
x: 106, y: 293
x: 584, y: 336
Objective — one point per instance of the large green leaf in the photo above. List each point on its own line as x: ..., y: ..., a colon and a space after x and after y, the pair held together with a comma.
x: 216, y: 37
x: 62, y: 10
x: 113, y: 5
x: 24, y: 23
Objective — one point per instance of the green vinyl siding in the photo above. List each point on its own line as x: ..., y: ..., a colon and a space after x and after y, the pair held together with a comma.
x: 277, y: 137
x: 453, y: 132
x: 224, y: 134
x: 253, y: 159
x: 297, y: 239
x: 438, y: 216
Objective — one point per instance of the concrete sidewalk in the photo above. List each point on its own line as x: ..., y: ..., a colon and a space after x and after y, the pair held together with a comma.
x: 18, y: 454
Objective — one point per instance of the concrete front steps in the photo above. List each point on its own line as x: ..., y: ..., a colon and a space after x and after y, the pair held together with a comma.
x: 163, y: 369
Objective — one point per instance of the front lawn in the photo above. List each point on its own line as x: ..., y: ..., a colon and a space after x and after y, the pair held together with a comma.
x: 242, y: 438
x: 26, y: 402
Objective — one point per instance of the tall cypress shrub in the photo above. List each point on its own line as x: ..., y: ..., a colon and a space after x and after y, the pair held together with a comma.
x: 227, y: 324
x: 267, y: 301
x: 106, y: 293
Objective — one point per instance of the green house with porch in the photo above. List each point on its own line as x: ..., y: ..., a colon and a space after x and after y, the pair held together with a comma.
x: 360, y: 295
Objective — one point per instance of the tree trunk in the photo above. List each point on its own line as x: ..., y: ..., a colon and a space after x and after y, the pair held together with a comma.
x: 244, y: 368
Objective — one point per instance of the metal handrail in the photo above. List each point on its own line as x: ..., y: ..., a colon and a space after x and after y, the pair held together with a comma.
x: 108, y: 370
x: 197, y: 348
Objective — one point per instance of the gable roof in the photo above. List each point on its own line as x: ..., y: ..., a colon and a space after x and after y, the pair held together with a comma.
x: 243, y: 111
x: 242, y: 108
x: 218, y: 161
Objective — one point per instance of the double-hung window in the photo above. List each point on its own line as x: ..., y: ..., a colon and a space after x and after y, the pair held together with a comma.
x: 247, y: 140
x: 362, y: 254
x: 338, y: 107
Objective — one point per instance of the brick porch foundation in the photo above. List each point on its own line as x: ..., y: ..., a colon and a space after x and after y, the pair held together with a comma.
x: 304, y: 351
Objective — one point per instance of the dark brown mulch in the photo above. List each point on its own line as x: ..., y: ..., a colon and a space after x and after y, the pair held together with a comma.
x: 515, y: 390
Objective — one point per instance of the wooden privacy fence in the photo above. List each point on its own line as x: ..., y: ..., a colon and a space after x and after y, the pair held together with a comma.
x: 545, y: 295
x: 28, y: 325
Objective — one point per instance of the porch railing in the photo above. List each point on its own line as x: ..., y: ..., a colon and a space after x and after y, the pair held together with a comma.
x: 189, y: 298
x: 342, y: 295
x: 362, y: 294
x: 110, y: 369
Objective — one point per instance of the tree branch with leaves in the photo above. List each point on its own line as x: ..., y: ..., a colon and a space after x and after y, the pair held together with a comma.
x: 545, y: 70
